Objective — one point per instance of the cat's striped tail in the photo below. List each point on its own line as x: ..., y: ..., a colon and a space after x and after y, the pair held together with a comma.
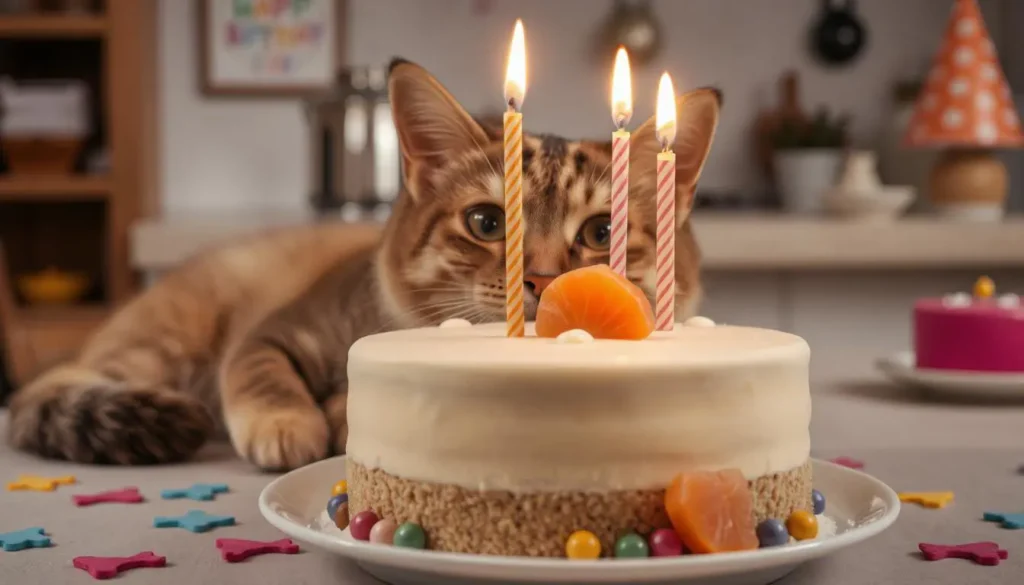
x: 72, y: 412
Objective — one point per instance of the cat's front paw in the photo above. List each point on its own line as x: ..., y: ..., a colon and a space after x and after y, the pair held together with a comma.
x: 281, y: 440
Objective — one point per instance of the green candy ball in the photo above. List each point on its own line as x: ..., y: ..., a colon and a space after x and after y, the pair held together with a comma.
x: 410, y: 535
x: 631, y: 546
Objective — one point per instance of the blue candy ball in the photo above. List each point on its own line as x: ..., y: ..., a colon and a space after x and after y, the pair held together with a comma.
x: 819, y: 502
x: 334, y: 503
x: 772, y: 532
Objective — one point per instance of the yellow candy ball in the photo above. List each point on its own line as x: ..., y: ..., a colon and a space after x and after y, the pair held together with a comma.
x: 984, y: 288
x: 583, y: 545
x: 802, y: 525
x: 340, y: 488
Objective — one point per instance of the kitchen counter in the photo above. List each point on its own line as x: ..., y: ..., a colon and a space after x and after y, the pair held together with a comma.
x: 730, y: 241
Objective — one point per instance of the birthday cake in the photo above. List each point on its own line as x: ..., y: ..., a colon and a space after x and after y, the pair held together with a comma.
x: 511, y: 446
x: 982, y: 332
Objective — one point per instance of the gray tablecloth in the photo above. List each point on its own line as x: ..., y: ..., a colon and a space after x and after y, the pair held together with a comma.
x: 910, y: 443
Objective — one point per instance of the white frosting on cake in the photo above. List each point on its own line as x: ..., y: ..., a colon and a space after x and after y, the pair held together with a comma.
x: 699, y: 321
x: 470, y: 407
x: 958, y: 300
x: 453, y: 323
x: 575, y: 336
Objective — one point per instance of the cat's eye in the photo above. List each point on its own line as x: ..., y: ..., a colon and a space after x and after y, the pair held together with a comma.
x: 596, y: 233
x: 486, y: 222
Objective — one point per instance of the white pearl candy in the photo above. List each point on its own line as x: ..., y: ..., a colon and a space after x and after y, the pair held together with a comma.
x: 958, y: 300
x: 1008, y: 301
x: 452, y: 323
x: 699, y: 321
x: 574, y: 336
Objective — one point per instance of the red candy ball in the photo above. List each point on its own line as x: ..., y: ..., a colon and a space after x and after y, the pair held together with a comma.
x: 665, y: 543
x: 360, y: 525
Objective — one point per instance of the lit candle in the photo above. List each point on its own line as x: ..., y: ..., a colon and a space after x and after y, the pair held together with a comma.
x: 622, y: 111
x: 665, y: 292
x: 515, y: 92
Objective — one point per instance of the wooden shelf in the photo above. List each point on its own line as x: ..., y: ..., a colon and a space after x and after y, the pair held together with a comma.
x: 32, y: 188
x: 52, y: 26
x: 49, y: 313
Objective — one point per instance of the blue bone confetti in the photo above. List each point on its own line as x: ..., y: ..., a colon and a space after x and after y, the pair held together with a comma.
x: 200, y: 492
x: 194, y: 520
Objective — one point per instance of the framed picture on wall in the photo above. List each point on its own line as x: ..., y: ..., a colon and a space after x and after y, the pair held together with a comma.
x: 269, y: 48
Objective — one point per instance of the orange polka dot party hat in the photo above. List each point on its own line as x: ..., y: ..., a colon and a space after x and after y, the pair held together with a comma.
x: 965, y: 106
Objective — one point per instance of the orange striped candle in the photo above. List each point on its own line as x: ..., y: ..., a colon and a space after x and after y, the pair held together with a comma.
x: 622, y: 111
x: 515, y: 91
x: 665, y: 248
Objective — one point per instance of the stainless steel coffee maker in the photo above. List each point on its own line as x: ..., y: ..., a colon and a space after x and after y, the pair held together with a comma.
x: 355, y: 170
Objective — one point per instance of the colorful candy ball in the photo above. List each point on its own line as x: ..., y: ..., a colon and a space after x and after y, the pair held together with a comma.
x: 341, y: 516
x: 340, y: 488
x: 772, y: 532
x: 335, y: 502
x: 582, y: 545
x: 665, y: 543
x: 361, y: 525
x: 410, y: 535
x: 632, y: 546
x: 819, y: 501
x: 802, y: 525
x: 383, y: 532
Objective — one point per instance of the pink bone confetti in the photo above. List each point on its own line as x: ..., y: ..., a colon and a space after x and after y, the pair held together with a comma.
x: 128, y: 495
x: 107, y: 567
x: 237, y: 549
x: 983, y: 553
x: 848, y: 462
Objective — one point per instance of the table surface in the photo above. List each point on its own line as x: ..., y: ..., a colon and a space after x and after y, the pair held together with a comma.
x: 909, y: 442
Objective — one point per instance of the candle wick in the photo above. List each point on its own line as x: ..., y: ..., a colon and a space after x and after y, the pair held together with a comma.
x: 620, y: 122
x: 665, y: 145
x: 512, y: 107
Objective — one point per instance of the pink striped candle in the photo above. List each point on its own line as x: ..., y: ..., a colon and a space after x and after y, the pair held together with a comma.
x: 665, y: 260
x: 622, y: 111
x: 620, y: 201
x: 665, y: 295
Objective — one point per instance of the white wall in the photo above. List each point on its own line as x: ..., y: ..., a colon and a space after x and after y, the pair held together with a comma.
x: 231, y: 154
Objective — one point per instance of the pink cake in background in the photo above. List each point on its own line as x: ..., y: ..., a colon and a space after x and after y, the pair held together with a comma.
x: 981, y: 333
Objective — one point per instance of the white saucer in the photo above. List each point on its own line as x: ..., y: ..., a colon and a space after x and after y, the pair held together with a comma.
x: 860, y: 505
x: 950, y: 383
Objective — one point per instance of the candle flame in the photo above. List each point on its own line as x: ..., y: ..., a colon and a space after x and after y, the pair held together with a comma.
x: 515, y: 74
x: 622, y: 90
x: 665, y: 114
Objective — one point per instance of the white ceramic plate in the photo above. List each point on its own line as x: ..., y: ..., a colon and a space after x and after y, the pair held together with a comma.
x: 902, y: 368
x: 860, y: 505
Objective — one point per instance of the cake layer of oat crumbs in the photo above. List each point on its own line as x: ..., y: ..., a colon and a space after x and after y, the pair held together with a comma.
x: 456, y: 519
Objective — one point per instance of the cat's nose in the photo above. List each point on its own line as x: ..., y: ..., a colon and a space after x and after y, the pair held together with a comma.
x: 537, y: 283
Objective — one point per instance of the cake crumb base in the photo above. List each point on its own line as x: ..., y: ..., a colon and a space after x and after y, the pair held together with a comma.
x: 538, y: 524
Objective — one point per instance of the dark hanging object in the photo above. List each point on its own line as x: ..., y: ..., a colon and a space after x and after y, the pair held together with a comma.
x: 631, y: 24
x: 838, y: 36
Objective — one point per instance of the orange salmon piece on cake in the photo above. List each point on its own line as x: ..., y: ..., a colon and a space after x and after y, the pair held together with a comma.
x: 598, y: 301
x: 712, y: 511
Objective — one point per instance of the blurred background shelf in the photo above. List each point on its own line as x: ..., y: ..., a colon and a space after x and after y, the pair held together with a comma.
x: 44, y: 187
x: 729, y: 241
x: 53, y: 26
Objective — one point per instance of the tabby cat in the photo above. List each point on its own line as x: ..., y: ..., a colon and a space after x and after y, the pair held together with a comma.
x: 252, y: 337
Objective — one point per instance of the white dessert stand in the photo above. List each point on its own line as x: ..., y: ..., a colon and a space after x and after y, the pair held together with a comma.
x: 861, y: 506
x: 901, y: 367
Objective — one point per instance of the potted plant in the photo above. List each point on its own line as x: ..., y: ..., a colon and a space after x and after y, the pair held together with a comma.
x: 807, y: 157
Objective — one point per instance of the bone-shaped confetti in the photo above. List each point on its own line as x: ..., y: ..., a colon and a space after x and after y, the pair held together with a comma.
x: 39, y: 484
x: 200, y: 492
x: 983, y: 553
x: 107, y: 567
x: 128, y: 495
x: 34, y: 537
x: 927, y: 499
x: 848, y: 462
x: 1011, y: 521
x: 236, y: 549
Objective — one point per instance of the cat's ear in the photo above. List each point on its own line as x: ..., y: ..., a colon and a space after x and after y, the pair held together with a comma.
x: 696, y: 122
x: 431, y: 124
